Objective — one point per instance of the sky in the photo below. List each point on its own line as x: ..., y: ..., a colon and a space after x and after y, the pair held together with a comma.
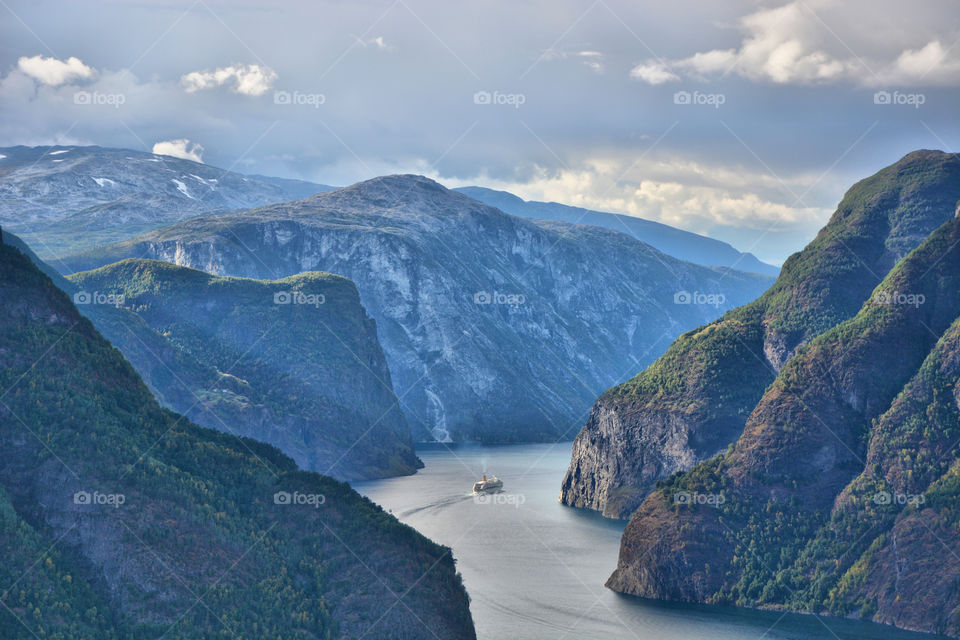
x: 745, y: 121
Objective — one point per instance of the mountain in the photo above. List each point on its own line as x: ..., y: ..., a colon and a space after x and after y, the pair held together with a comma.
x: 841, y: 495
x: 695, y: 400
x: 674, y: 242
x: 495, y: 327
x: 119, y: 519
x: 325, y: 399
x: 63, y: 199
x: 292, y: 362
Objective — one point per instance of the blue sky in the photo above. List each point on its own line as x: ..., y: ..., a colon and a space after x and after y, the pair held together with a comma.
x: 745, y: 121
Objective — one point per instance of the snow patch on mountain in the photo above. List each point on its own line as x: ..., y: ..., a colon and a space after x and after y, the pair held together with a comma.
x: 182, y: 188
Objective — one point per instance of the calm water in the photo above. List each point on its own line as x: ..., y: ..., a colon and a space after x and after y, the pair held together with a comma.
x: 535, y: 569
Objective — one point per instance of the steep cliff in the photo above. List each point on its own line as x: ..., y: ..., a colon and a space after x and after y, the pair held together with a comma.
x: 839, y: 496
x: 292, y: 362
x: 119, y: 519
x: 494, y: 327
x: 694, y: 401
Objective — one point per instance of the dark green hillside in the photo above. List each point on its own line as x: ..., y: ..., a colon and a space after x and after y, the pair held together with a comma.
x: 120, y: 519
x: 840, y: 496
x: 710, y: 379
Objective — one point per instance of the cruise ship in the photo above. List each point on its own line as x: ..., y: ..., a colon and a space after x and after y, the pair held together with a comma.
x: 493, y: 485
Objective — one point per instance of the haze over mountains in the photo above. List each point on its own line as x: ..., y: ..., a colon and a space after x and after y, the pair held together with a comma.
x: 492, y: 327
x: 674, y: 242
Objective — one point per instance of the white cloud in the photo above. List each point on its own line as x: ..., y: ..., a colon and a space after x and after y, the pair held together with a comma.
x: 589, y: 58
x: 684, y: 194
x: 377, y: 42
x: 180, y: 148
x: 250, y: 79
x: 55, y: 72
x: 795, y: 44
x: 653, y: 73
x: 930, y: 63
x: 593, y: 59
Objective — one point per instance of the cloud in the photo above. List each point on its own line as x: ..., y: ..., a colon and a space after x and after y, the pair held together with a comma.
x: 54, y: 72
x: 653, y: 73
x: 685, y: 194
x: 591, y: 59
x: 793, y: 44
x: 249, y: 80
x: 180, y: 148
x: 377, y: 42
x: 931, y: 63
x: 749, y: 209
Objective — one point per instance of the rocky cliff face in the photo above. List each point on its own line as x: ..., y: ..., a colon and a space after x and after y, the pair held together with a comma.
x: 67, y: 198
x: 840, y: 495
x: 493, y: 327
x: 292, y: 362
x: 698, y: 395
x: 148, y: 525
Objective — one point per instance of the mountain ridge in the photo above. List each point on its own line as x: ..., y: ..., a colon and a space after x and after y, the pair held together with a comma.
x: 694, y: 400
x: 472, y: 304
x: 65, y: 198
x: 798, y: 485
x: 143, y: 516
x: 309, y: 378
x: 185, y: 379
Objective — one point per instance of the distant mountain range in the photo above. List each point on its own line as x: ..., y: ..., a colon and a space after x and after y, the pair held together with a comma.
x: 670, y: 240
x: 495, y: 327
x: 803, y: 452
x: 64, y: 199
x: 120, y: 519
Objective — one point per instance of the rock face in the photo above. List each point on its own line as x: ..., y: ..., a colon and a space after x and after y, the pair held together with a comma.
x: 495, y: 327
x: 697, y: 397
x: 840, y: 496
x: 673, y: 242
x: 65, y: 199
x: 294, y: 362
x: 148, y: 525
